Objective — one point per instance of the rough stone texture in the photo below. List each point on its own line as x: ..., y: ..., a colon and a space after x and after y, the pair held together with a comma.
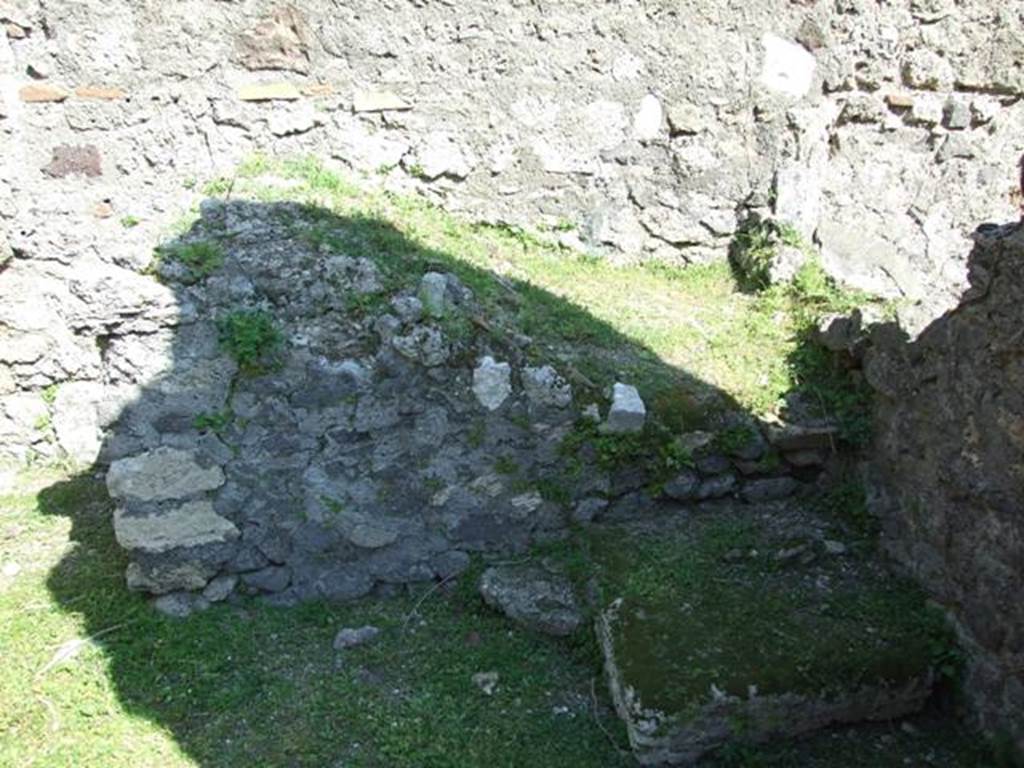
x: 950, y: 467
x: 349, y: 637
x: 627, y: 412
x: 534, y: 597
x: 492, y: 383
x: 656, y: 144
x: 163, y: 473
x: 189, y: 525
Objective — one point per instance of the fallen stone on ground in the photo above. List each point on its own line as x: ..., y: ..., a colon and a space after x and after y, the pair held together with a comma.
x: 532, y: 596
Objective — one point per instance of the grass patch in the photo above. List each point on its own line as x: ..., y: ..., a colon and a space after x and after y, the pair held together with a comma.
x: 247, y: 684
x: 684, y: 337
x: 251, y: 338
x: 200, y: 259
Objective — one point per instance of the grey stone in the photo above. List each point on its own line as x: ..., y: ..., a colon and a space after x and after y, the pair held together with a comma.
x: 287, y: 121
x: 794, y: 437
x: 713, y: 464
x: 447, y: 565
x: 589, y: 509
x: 161, y: 578
x: 220, y: 587
x: 350, y: 637
x: 274, y: 578
x: 408, y: 308
x: 545, y: 387
x: 834, y: 547
x: 76, y: 420
x: 685, y: 118
x: 808, y: 457
x: 163, y: 473
x: 534, y: 597
x: 927, y: 70
x: 487, y: 682
x: 683, y: 487
x: 180, y: 605
x: 424, y: 345
x: 492, y: 383
x: 716, y: 487
x: 768, y: 489
x: 189, y: 525
x: 627, y: 412
x: 957, y: 114
x: 432, y: 294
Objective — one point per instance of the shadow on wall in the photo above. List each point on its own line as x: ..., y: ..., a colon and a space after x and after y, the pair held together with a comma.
x: 949, y: 451
x: 315, y: 425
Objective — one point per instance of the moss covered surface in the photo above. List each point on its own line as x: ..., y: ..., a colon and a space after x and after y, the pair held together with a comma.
x: 728, y: 601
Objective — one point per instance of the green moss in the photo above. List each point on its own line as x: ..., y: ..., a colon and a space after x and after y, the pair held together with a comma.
x: 700, y: 610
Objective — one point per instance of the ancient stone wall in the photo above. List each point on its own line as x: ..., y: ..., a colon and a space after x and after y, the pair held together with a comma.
x: 633, y: 129
x: 948, y: 464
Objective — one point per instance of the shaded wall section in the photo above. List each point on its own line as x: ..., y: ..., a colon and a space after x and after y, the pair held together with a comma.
x: 950, y: 465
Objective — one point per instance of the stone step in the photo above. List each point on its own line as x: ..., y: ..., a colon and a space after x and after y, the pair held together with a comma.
x: 752, y: 626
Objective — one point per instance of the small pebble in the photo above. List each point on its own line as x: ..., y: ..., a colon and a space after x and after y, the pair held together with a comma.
x: 486, y: 682
x: 349, y: 637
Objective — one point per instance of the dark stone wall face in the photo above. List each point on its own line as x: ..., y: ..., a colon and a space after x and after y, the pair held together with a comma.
x: 949, y: 463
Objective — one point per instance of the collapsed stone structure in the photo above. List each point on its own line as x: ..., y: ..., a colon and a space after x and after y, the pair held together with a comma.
x: 635, y: 130
x: 373, y: 447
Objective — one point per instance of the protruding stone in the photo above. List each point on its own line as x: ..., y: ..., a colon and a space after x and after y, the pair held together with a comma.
x: 647, y: 123
x: 189, y: 525
x: 545, y: 387
x: 273, y: 578
x: 788, y: 67
x: 269, y: 92
x: 627, y: 412
x: 533, y: 597
x: 432, y: 294
x: 685, y: 118
x: 220, y: 587
x: 166, y: 577
x: 683, y: 487
x: 378, y: 101
x: 439, y: 155
x: 928, y: 71
x: 492, y: 383
x: 293, y: 120
x: 160, y: 474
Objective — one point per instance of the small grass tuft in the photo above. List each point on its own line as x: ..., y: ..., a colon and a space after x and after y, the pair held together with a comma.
x: 251, y: 338
x: 201, y: 258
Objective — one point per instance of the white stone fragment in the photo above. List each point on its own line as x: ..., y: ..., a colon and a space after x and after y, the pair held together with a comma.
x: 648, y: 119
x: 788, y: 67
x: 492, y: 383
x: 627, y: 412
